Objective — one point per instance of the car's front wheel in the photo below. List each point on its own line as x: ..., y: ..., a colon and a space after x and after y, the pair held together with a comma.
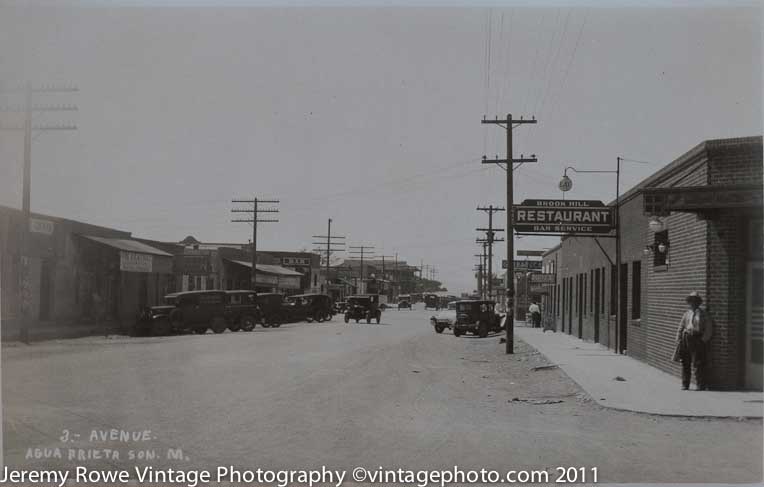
x: 438, y: 328
x: 218, y: 325
x: 248, y: 323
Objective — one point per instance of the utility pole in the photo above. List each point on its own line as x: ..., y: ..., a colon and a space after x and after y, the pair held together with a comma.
x: 491, y: 239
x: 255, y: 211
x: 29, y: 109
x: 361, y: 250
x: 479, y: 270
x: 509, y: 124
x: 329, y: 249
x: 383, y: 257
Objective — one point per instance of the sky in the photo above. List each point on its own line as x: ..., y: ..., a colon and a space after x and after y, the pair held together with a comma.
x: 367, y: 115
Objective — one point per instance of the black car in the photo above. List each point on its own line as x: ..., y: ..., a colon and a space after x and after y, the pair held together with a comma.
x: 403, y: 304
x: 431, y: 301
x: 273, y: 312
x: 309, y: 307
x: 478, y: 317
x: 194, y: 311
x: 364, y: 306
x: 242, y: 311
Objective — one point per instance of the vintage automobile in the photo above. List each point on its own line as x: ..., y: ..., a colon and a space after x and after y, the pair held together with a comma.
x: 478, y: 317
x: 194, y: 311
x: 404, y: 301
x: 363, y: 306
x: 431, y: 301
x: 444, y: 318
x: 272, y: 310
x: 242, y: 311
x: 310, y: 307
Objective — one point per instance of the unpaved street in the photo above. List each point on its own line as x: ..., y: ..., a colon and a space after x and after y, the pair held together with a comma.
x: 306, y: 395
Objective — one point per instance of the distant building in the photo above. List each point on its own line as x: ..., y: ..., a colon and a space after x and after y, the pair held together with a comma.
x: 215, y: 265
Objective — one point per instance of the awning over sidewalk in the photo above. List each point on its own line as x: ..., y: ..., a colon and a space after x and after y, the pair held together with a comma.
x: 662, y: 201
x: 268, y: 269
x: 136, y: 256
x: 128, y: 245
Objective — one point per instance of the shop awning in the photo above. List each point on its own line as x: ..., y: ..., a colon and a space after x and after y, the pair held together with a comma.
x: 662, y: 201
x: 267, y: 269
x: 128, y: 245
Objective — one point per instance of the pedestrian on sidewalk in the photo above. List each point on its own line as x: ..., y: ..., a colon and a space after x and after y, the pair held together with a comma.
x: 535, y: 312
x: 694, y: 332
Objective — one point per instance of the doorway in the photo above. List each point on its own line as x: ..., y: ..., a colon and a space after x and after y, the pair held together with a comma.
x: 754, y: 326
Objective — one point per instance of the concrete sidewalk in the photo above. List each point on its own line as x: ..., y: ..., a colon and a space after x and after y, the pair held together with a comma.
x: 646, y: 388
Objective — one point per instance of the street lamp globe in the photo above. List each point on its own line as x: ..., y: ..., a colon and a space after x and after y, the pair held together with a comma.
x: 565, y: 183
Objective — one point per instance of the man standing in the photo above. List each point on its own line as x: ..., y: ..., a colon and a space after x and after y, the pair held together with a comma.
x: 535, y: 312
x: 694, y: 332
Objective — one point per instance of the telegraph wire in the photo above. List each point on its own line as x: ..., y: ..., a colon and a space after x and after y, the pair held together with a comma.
x: 549, y: 83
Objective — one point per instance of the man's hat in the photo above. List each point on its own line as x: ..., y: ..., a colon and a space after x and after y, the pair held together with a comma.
x: 694, y: 296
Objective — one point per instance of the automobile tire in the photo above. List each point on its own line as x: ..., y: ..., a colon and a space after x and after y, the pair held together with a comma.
x: 235, y: 326
x: 482, y: 329
x: 248, y: 323
x: 161, y: 327
x: 266, y: 325
x: 438, y: 329
x: 200, y: 330
x: 218, y: 325
x: 457, y: 333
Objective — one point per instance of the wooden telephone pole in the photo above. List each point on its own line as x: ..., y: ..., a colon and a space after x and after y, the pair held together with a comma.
x: 329, y: 249
x: 490, y: 238
x: 509, y: 124
x: 255, y: 211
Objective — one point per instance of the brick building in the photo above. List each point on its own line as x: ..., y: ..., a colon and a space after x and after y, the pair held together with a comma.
x: 694, y: 225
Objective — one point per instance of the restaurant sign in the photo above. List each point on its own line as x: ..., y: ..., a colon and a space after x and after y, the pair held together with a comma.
x: 135, y: 262
x: 563, y: 216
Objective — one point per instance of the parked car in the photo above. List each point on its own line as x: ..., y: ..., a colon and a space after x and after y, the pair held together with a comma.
x: 272, y: 310
x: 364, y: 306
x: 478, y: 317
x: 310, y: 307
x: 242, y: 311
x: 194, y: 311
x: 444, y: 318
x: 403, y: 304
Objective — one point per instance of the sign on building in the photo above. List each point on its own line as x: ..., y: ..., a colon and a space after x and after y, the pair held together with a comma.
x: 524, y: 265
x: 563, y: 216
x: 41, y: 226
x: 542, y: 278
x: 135, y: 262
x: 530, y: 253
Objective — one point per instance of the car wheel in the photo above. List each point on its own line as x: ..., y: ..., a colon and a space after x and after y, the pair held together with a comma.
x: 235, y: 326
x: 248, y: 323
x: 482, y: 329
x: 438, y: 328
x: 318, y: 317
x: 161, y: 327
x: 218, y: 325
x: 200, y: 330
x: 266, y: 325
x: 457, y: 333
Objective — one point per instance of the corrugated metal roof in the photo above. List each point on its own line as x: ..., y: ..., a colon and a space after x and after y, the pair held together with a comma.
x: 128, y: 245
x: 268, y: 269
